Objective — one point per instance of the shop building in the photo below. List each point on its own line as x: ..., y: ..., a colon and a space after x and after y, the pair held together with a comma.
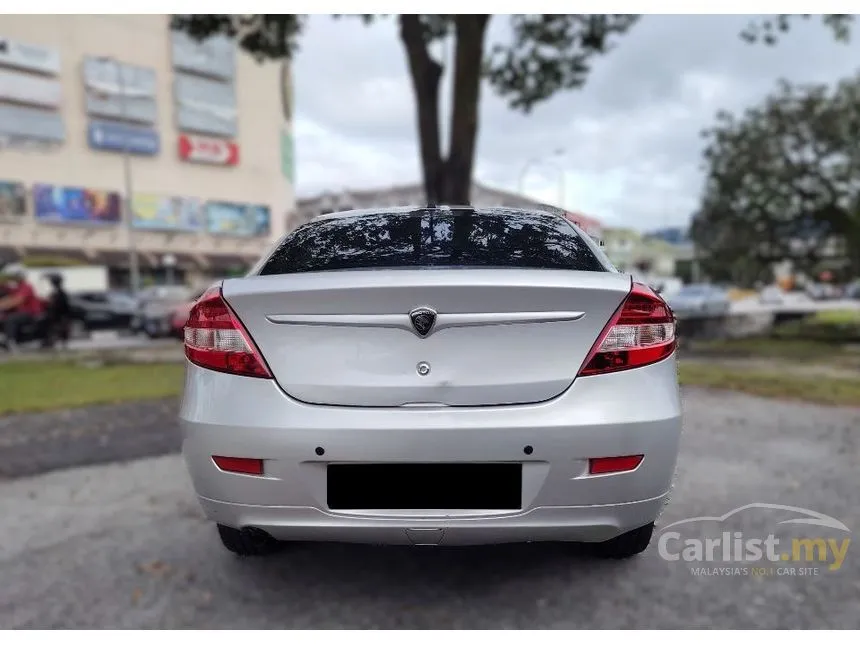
x: 96, y: 107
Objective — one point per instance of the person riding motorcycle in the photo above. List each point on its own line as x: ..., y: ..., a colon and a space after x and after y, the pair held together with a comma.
x: 21, y: 305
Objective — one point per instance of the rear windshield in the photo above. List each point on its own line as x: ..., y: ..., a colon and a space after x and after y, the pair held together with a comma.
x: 434, y: 238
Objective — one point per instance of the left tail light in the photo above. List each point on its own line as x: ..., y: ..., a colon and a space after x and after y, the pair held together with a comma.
x: 217, y: 340
x: 641, y: 332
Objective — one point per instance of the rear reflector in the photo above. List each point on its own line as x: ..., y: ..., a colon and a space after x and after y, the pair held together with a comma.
x: 241, y: 465
x: 641, y: 332
x: 604, y: 465
x: 215, y: 339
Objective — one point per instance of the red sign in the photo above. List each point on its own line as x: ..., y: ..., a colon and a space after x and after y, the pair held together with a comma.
x: 207, y: 150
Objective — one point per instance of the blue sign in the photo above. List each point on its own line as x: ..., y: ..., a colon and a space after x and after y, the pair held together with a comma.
x: 69, y: 205
x: 116, y: 136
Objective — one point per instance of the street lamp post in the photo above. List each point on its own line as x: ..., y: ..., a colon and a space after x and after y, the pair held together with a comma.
x: 128, y: 214
x: 562, y: 196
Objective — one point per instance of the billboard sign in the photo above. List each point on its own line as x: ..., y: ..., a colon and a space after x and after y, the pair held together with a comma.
x: 120, y: 91
x: 139, y: 140
x: 65, y: 205
x: 13, y: 201
x: 241, y: 220
x: 31, y: 58
x: 215, y: 56
x: 29, y: 89
x: 31, y: 124
x: 198, y: 149
x: 205, y: 106
x: 158, y: 213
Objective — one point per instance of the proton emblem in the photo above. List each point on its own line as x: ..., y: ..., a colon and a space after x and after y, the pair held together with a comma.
x: 423, y: 319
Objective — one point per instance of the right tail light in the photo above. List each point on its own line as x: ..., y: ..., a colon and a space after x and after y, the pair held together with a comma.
x: 641, y: 332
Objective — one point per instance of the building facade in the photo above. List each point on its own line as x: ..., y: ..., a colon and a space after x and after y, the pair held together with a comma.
x: 412, y: 195
x: 96, y: 107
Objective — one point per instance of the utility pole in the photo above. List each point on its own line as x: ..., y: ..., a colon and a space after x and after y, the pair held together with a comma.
x: 128, y: 211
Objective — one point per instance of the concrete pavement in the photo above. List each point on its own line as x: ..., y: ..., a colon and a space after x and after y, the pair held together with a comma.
x: 125, y: 545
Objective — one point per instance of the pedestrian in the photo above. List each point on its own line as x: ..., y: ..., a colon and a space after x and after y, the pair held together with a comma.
x: 20, y: 305
x: 59, y: 313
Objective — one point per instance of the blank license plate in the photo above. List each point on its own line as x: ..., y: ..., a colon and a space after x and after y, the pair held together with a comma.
x: 495, y: 486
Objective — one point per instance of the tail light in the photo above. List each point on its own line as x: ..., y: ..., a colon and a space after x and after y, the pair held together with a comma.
x: 215, y: 339
x: 641, y: 332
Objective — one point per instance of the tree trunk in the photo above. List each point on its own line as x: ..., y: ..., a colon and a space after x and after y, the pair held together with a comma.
x: 470, y: 32
x: 426, y: 75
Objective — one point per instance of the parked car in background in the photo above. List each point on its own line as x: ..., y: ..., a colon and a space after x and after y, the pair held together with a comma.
x: 772, y: 295
x: 155, y: 309
x: 179, y: 317
x: 699, y: 299
x: 101, y: 310
x: 666, y: 286
x: 823, y: 291
x: 853, y: 290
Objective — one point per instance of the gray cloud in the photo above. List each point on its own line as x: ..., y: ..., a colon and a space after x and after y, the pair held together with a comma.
x: 631, y: 135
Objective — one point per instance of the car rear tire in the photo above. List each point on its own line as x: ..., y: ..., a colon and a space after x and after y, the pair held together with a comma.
x: 625, y: 545
x: 248, y: 542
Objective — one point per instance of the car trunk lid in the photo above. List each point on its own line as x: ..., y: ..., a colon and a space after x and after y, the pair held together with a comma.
x: 500, y: 336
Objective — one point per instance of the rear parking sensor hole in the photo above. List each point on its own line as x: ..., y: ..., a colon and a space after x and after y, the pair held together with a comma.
x: 528, y: 450
x: 320, y: 451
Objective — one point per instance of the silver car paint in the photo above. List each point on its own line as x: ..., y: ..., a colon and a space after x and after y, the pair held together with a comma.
x: 631, y: 412
x: 503, y: 336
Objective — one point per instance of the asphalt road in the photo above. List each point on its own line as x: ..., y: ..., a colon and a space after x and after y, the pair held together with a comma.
x: 125, y: 546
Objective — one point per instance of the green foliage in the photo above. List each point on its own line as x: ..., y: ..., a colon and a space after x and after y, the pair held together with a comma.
x: 550, y: 53
x: 783, y: 182
x: 769, y: 29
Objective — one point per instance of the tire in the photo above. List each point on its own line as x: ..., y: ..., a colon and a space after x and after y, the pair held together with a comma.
x: 248, y: 542
x: 625, y: 545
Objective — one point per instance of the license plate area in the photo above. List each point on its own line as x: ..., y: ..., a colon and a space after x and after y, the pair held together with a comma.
x: 483, y: 486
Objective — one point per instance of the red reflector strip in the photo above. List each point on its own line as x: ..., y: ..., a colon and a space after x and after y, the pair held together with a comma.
x: 604, y: 465
x: 241, y: 465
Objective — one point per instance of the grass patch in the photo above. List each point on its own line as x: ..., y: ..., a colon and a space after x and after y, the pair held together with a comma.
x: 31, y: 386
x: 813, y: 389
x: 835, y: 327
x: 791, y: 349
x: 827, y: 338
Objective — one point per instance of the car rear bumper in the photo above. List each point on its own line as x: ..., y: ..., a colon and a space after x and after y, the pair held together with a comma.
x: 543, y: 524
x: 627, y: 413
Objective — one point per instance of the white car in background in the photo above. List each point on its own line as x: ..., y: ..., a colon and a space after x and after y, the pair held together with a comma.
x: 771, y: 295
x: 700, y: 300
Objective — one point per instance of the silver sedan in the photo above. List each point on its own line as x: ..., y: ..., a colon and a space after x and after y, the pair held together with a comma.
x: 432, y: 376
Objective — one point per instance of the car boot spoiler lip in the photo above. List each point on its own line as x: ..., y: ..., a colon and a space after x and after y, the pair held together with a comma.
x: 443, y: 320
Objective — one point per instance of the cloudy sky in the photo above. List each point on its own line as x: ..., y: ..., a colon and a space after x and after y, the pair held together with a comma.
x: 631, y: 140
